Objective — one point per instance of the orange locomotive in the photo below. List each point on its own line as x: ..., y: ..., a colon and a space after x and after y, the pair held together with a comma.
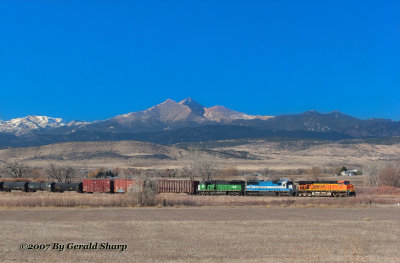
x: 325, y: 188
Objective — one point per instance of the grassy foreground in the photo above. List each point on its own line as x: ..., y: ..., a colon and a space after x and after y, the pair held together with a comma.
x: 365, y: 197
x: 205, y: 234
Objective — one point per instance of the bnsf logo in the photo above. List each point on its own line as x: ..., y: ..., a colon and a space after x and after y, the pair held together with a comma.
x: 316, y: 186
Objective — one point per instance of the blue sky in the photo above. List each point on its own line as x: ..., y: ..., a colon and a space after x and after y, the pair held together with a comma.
x: 89, y: 60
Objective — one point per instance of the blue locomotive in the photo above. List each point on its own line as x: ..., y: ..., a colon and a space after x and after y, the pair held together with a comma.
x: 277, y: 188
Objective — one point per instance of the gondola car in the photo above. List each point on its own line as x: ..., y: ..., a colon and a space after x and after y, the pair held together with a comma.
x: 177, y: 186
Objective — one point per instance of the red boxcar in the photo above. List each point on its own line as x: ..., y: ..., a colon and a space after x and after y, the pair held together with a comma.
x: 122, y: 185
x: 98, y: 186
x: 176, y: 186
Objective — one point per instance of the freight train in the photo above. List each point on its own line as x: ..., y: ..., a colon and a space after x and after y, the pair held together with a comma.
x: 257, y: 188
x: 192, y: 187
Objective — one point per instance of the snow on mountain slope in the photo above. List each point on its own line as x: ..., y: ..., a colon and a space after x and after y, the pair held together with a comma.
x: 167, y: 112
x: 20, y: 126
x: 223, y: 114
x: 166, y: 115
x: 187, y: 110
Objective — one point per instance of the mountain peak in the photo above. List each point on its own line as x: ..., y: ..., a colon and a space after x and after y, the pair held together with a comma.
x: 187, y: 100
x: 196, y: 107
x: 168, y: 101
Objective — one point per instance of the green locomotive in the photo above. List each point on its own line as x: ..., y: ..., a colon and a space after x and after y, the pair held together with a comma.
x: 221, y: 188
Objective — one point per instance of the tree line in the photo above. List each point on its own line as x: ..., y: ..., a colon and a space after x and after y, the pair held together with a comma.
x: 58, y: 173
x: 197, y: 166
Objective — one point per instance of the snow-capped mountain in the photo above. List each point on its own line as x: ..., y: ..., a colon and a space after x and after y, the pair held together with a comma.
x: 186, y: 113
x: 165, y: 113
x: 188, y: 121
x: 164, y: 116
x: 20, y: 126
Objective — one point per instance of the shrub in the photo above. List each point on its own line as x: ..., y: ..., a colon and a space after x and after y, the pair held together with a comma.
x: 142, y: 193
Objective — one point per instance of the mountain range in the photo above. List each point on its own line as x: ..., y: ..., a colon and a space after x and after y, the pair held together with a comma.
x: 188, y: 121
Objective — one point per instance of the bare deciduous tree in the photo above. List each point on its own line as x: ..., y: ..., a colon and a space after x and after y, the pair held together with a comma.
x: 207, y: 167
x: 143, y: 192
x: 337, y: 170
x: 227, y: 173
x: 37, y: 174
x: 191, y: 168
x: 200, y: 165
x: 389, y: 176
x: 270, y: 174
x: 185, y: 172
x: 16, y: 169
x: 372, y: 175
x: 315, y: 173
x: 61, y: 173
x: 273, y: 175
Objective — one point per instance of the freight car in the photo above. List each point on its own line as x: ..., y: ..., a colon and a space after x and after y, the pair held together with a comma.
x: 98, y: 186
x: 15, y: 186
x: 278, y: 188
x: 176, y: 186
x: 325, y: 188
x: 221, y: 188
x: 33, y: 187
x: 122, y: 185
x: 62, y: 187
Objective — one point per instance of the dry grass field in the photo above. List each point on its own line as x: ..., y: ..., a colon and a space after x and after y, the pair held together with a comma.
x: 250, y: 154
x: 205, y: 234
x: 183, y: 228
x: 366, y: 196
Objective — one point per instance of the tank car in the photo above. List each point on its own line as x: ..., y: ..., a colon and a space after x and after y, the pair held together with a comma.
x: 62, y: 187
x: 15, y: 186
x: 33, y: 187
